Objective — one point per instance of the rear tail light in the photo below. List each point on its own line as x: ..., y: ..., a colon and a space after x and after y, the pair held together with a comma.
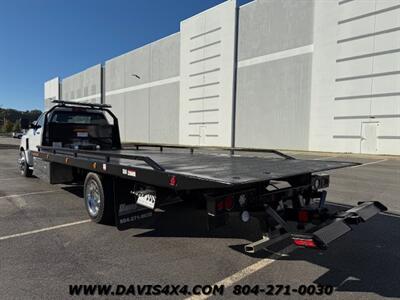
x: 303, y: 216
x: 228, y: 202
x: 225, y: 203
x: 308, y: 243
x: 220, y: 205
x: 173, y: 181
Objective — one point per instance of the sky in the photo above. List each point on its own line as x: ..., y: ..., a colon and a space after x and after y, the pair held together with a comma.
x: 43, y: 39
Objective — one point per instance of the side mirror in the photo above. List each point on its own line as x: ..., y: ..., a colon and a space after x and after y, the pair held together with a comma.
x: 24, y: 123
x: 33, y: 125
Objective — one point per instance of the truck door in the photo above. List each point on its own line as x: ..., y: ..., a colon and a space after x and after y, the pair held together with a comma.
x: 35, y: 136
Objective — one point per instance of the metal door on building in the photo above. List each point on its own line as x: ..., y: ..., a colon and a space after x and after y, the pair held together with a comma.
x: 369, y: 141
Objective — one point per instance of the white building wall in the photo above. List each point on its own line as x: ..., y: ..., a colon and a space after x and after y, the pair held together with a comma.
x: 273, y: 87
x: 356, y: 77
x: 84, y: 86
x: 51, y: 92
x: 142, y: 86
x: 318, y: 75
x: 206, y: 76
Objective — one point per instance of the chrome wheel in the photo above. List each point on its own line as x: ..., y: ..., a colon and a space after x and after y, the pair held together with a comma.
x: 93, y: 198
x: 21, y: 161
x: 98, y: 198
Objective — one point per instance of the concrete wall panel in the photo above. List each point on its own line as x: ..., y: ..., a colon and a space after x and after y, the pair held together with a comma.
x: 353, y: 29
x: 165, y: 57
x: 164, y: 114
x: 137, y: 117
x: 51, y: 92
x: 118, y: 108
x: 137, y: 62
x: 141, y: 97
x: 351, y: 68
x: 268, y: 26
x: 207, y: 72
x: 273, y: 104
x: 115, y: 73
x: 356, y: 8
x: 352, y: 90
x: 84, y: 86
x: 388, y: 20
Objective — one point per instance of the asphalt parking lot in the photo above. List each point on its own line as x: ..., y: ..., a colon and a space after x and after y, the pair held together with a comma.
x: 47, y: 242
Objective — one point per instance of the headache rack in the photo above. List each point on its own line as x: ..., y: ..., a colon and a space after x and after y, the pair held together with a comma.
x: 92, y: 105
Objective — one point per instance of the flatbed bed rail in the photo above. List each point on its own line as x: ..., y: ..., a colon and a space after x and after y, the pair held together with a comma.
x: 192, y: 148
x: 106, y: 155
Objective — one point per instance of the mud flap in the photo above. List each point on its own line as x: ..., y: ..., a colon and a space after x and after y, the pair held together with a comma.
x: 215, y: 218
x: 341, y: 224
x: 130, y: 215
x: 127, y: 212
x: 138, y: 208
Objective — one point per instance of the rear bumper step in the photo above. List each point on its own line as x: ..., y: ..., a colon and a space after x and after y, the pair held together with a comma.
x: 340, y: 225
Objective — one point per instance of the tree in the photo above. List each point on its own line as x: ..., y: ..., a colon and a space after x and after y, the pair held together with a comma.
x: 17, y: 126
x: 14, y: 115
x: 7, y: 126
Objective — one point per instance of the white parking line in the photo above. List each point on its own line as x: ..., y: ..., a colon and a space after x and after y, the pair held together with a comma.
x: 28, y: 194
x: 42, y: 230
x: 12, y: 178
x: 370, y: 163
x: 325, y: 157
x: 234, y: 278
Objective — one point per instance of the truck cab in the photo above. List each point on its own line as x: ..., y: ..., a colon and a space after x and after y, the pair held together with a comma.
x: 69, y: 125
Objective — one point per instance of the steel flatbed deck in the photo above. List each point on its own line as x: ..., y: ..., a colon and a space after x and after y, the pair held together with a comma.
x: 193, y: 170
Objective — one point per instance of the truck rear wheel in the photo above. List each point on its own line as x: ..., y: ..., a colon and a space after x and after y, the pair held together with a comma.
x: 23, y: 165
x: 97, y: 199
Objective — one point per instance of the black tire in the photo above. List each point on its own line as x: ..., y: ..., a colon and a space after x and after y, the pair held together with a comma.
x: 23, y: 165
x: 97, y: 190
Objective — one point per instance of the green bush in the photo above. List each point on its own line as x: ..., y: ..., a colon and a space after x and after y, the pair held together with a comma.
x: 17, y: 126
x: 7, y: 126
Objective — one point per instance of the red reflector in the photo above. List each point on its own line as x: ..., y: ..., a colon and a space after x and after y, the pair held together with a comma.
x: 228, y: 202
x: 173, y: 181
x: 219, y: 205
x: 303, y: 216
x: 309, y: 243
